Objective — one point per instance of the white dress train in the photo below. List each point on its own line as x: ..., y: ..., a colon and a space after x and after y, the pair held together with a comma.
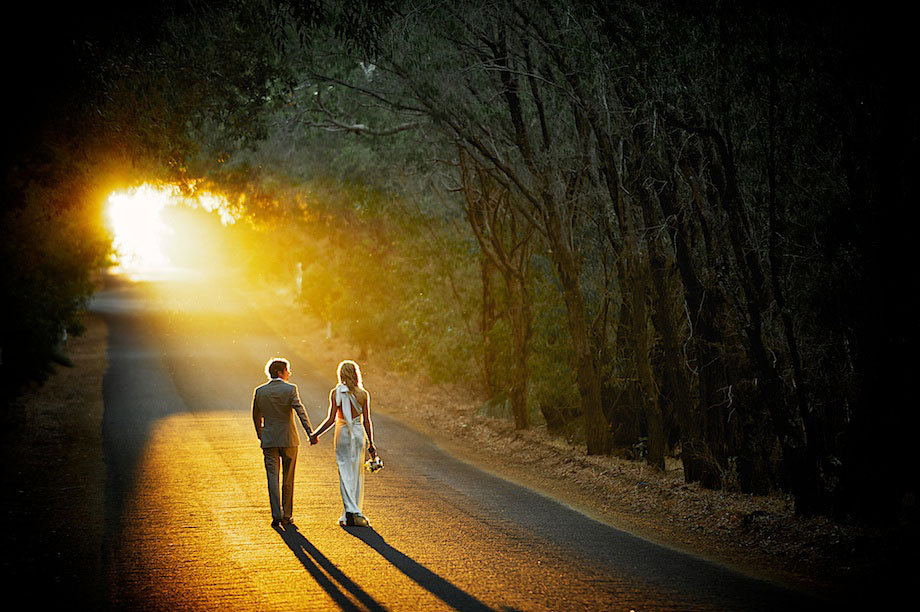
x: 349, y: 452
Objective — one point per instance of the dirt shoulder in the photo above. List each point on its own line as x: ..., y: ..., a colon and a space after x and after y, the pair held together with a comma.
x: 759, y: 535
x: 53, y: 480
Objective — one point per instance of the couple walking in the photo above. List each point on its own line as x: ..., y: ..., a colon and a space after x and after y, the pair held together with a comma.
x: 273, y: 408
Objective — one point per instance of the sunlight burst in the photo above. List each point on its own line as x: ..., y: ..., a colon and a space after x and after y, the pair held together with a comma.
x: 141, y: 235
x: 135, y: 217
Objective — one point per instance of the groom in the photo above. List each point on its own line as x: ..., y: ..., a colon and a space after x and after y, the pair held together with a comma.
x: 273, y: 407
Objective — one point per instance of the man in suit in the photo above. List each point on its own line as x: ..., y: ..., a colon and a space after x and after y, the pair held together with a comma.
x: 273, y: 407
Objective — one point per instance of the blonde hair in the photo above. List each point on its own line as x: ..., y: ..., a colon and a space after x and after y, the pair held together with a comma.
x: 350, y: 375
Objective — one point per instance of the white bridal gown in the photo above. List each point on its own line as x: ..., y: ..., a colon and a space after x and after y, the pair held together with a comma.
x: 349, y: 451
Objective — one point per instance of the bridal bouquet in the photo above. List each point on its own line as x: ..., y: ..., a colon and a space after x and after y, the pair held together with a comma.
x: 374, y: 464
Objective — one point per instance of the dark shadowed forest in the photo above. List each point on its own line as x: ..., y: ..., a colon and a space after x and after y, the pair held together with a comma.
x: 662, y: 229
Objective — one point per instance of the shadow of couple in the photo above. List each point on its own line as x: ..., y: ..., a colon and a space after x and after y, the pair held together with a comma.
x: 344, y: 590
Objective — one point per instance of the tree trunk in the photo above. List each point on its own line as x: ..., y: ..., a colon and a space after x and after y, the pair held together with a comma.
x: 520, y: 316
x: 675, y: 372
x: 800, y: 470
x: 587, y: 370
x: 705, y: 442
x: 641, y: 356
x: 493, y: 221
x: 486, y: 323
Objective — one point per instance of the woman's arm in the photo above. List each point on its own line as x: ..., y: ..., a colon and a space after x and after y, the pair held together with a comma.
x: 330, y: 417
x: 369, y: 427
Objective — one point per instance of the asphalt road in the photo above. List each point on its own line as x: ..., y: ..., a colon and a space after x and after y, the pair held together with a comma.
x: 186, y: 507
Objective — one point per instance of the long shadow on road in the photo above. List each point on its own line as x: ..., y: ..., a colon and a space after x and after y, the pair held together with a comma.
x: 434, y: 584
x: 336, y: 584
x: 137, y: 392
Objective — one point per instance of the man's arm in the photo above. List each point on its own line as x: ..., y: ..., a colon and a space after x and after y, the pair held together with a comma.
x: 297, y: 405
x: 256, y: 416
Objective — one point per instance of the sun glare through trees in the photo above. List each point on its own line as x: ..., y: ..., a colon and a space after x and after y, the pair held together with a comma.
x: 135, y: 218
x: 154, y: 236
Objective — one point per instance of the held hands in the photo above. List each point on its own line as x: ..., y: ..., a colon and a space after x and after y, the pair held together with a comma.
x: 313, y: 438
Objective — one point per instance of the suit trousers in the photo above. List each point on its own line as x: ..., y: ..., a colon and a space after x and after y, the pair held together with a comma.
x: 283, y: 498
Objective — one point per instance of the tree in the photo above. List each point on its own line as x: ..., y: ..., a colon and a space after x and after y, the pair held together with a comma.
x: 504, y: 239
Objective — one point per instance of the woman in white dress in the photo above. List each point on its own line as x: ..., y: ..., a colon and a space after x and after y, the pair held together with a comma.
x: 350, y: 410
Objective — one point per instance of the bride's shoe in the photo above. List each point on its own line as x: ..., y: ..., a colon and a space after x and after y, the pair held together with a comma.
x: 356, y: 520
x: 361, y: 521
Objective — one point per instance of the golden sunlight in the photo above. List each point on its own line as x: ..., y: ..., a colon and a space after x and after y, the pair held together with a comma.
x: 135, y: 217
x: 153, y: 242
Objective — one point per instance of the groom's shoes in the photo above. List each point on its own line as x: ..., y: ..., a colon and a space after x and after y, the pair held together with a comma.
x: 275, y: 522
x: 288, y: 522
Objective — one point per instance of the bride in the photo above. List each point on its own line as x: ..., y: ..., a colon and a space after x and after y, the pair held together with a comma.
x: 350, y: 410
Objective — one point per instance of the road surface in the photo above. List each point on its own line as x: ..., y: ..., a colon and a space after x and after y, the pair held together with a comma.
x: 186, y: 507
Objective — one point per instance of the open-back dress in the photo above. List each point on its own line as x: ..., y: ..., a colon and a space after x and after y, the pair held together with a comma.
x: 349, y: 450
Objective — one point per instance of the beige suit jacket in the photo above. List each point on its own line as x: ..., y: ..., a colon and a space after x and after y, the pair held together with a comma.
x: 273, y: 407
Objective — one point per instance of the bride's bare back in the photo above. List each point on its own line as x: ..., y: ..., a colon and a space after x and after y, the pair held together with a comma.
x: 360, y: 395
